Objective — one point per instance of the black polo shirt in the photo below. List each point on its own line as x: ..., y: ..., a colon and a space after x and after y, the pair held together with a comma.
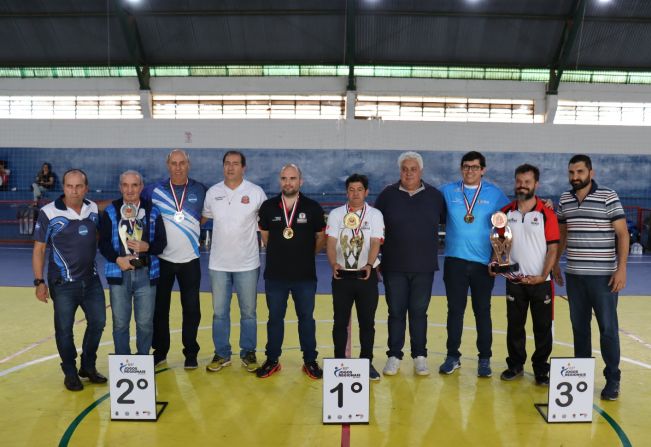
x: 291, y: 259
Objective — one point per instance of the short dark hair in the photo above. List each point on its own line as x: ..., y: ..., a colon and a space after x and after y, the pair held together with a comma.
x: 474, y: 155
x: 355, y: 178
x: 528, y: 168
x: 75, y: 171
x: 581, y: 158
x: 242, y: 157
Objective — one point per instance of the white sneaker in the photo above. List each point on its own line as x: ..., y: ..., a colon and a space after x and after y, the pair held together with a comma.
x: 420, y: 366
x: 392, y: 367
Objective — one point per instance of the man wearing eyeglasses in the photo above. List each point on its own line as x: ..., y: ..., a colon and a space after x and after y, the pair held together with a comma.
x: 470, y: 204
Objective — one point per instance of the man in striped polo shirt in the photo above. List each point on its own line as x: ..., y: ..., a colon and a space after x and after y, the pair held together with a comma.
x: 593, y: 228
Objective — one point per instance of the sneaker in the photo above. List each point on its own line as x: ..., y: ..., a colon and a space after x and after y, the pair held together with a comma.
x: 73, y: 383
x: 511, y: 374
x: 373, y: 375
x: 218, y: 363
x: 610, y: 391
x: 190, y: 363
x: 484, y: 368
x: 92, y: 375
x: 392, y: 367
x: 250, y: 362
x: 420, y: 366
x: 158, y: 361
x: 449, y: 365
x: 313, y: 370
x: 268, y: 368
x: 542, y: 380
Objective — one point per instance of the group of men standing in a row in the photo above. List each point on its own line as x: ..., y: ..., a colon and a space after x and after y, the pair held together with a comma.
x: 150, y: 238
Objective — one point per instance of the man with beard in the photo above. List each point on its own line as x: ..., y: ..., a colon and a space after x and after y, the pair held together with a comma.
x: 292, y: 228
x: 534, y: 248
x: 593, y: 228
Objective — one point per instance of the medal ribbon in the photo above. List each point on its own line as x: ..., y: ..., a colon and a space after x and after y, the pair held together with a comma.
x: 470, y: 206
x: 179, y: 206
x: 361, y: 219
x: 289, y: 221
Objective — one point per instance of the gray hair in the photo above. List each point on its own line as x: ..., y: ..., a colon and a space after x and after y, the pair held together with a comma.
x: 131, y: 172
x: 292, y: 165
x: 180, y: 151
x: 410, y: 155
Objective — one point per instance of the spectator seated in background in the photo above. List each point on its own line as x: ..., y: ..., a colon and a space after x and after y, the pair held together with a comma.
x: 44, y: 181
x: 4, y: 175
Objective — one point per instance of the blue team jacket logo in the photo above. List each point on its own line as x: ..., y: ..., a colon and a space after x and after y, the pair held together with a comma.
x: 83, y: 230
x: 192, y: 198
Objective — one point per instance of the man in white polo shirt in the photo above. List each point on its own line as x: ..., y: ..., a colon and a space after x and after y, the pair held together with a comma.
x: 233, y: 205
x: 535, y: 246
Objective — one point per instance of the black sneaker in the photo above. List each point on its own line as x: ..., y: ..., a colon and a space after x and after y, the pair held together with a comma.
x: 73, y: 383
x: 542, y: 380
x: 610, y: 391
x: 92, y: 375
x: 511, y: 374
x: 268, y: 368
x: 158, y: 361
x: 373, y: 374
x: 313, y: 370
x: 190, y: 363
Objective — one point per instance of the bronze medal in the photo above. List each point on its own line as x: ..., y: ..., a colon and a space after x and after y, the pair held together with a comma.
x: 469, y: 218
x: 288, y: 233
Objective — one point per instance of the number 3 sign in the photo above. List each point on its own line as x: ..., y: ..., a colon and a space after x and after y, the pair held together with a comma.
x: 345, y: 391
x: 132, y: 387
x: 571, y: 389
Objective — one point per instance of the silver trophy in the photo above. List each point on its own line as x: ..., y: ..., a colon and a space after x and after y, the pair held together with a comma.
x: 130, y: 228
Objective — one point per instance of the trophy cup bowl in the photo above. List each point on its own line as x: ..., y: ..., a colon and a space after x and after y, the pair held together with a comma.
x: 501, y: 239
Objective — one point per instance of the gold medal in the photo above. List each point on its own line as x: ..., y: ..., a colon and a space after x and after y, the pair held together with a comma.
x: 499, y: 220
x: 351, y: 221
x: 469, y: 218
x: 288, y: 233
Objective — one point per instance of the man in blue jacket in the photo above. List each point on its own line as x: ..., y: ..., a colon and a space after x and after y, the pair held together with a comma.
x: 132, y: 234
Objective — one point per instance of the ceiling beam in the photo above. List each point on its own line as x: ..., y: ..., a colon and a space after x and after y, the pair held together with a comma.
x: 350, y: 43
x: 131, y: 34
x: 568, y: 37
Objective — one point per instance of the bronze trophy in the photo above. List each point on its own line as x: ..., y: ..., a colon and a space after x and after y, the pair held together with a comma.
x: 501, y: 239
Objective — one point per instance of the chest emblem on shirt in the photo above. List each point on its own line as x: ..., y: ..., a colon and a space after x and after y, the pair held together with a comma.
x: 302, y: 218
x: 245, y: 199
x: 535, y: 221
x: 276, y: 219
x: 192, y: 198
x: 83, y: 230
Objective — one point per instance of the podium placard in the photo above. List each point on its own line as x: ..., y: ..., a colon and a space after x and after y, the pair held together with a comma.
x: 346, y: 391
x: 132, y: 387
x: 571, y: 390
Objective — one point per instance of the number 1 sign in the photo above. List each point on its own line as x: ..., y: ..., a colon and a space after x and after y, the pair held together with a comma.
x: 132, y: 387
x: 345, y: 391
x: 571, y: 390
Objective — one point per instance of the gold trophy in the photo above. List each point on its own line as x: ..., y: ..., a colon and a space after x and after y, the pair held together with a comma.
x: 501, y: 239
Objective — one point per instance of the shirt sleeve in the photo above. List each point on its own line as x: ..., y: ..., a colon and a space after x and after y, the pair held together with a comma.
x: 331, y: 227
x: 206, y: 211
x: 105, y: 236
x: 377, y: 225
x: 319, y: 219
x: 502, y: 200
x: 263, y: 217
x: 40, y: 230
x: 552, y: 231
x: 614, y: 207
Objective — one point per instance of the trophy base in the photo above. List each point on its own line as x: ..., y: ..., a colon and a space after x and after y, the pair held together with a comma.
x: 139, y: 262
x: 504, y: 268
x: 351, y: 274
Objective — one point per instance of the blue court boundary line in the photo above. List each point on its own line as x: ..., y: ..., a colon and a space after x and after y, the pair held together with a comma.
x: 67, y: 435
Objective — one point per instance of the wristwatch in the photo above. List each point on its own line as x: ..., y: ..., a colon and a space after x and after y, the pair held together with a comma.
x: 38, y: 282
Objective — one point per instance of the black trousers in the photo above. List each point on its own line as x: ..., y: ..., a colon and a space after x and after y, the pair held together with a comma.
x: 518, y: 300
x: 189, y: 276
x: 364, y: 294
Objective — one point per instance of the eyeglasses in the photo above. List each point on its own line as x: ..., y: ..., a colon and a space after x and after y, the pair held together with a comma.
x: 473, y: 168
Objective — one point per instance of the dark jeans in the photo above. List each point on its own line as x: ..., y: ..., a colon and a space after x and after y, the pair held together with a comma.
x: 518, y: 299
x: 89, y: 295
x: 303, y: 292
x: 189, y: 276
x: 586, y: 293
x: 408, y: 293
x: 365, y: 295
x: 458, y: 276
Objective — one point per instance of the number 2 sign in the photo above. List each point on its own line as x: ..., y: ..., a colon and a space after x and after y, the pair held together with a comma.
x: 345, y: 391
x: 571, y: 389
x: 132, y: 387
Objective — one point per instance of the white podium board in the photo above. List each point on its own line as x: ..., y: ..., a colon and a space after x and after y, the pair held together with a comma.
x: 571, y: 390
x: 346, y: 391
x: 132, y: 387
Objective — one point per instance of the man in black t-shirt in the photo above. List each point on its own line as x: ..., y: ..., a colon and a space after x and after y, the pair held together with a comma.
x: 292, y: 228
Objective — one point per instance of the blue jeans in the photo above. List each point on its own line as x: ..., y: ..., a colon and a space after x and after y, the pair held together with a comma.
x: 408, y: 293
x: 586, y: 293
x: 66, y: 297
x: 135, y: 288
x: 458, y: 276
x: 246, y: 287
x: 303, y: 292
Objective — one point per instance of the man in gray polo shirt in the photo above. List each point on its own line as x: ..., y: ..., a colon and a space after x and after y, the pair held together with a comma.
x: 593, y: 229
